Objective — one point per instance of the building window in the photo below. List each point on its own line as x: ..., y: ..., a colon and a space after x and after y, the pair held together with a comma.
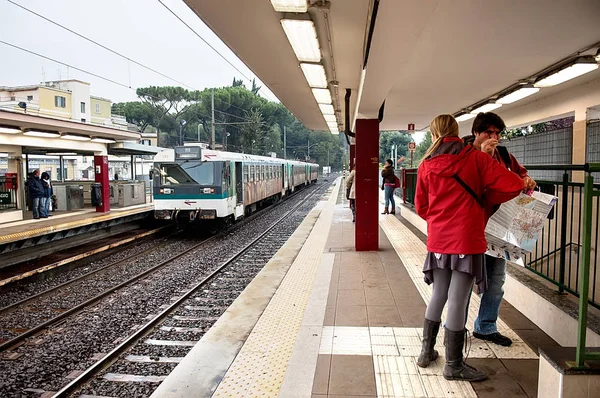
x: 83, y: 107
x: 30, y: 98
x: 83, y: 120
x: 145, y: 142
x: 60, y: 102
x: 97, y: 108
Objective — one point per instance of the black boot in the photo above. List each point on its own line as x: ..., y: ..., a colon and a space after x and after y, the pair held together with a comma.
x: 456, y: 368
x: 393, y: 211
x: 386, y: 211
x: 430, y: 332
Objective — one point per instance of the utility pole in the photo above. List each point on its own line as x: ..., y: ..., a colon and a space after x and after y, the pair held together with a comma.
x: 212, y: 125
x: 284, y: 143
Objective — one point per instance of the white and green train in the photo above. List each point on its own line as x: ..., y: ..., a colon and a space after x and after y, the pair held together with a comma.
x: 192, y: 183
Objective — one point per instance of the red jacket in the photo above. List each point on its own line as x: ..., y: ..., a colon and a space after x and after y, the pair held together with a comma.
x: 455, y: 221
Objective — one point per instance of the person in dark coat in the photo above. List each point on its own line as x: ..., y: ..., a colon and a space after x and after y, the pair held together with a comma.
x: 48, y: 191
x: 389, y: 184
x: 36, y: 191
x: 450, y: 184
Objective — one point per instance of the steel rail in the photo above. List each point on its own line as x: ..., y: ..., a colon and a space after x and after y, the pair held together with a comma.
x: 109, y: 358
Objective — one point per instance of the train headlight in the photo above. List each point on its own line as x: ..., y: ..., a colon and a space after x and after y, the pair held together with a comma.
x: 207, y: 190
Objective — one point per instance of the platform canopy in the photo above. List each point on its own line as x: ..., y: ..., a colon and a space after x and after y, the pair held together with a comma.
x: 420, y: 58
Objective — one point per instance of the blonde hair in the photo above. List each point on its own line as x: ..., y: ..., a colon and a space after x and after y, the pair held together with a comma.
x: 442, y: 126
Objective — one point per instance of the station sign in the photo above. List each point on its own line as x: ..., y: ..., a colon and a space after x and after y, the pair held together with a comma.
x: 5, y: 198
x: 411, y: 127
x: 412, y: 146
x: 188, y: 152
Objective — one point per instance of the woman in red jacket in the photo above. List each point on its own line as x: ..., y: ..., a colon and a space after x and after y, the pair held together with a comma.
x: 455, y: 183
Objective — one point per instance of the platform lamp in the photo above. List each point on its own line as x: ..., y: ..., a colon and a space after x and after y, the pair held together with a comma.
x: 182, y: 123
x: 23, y: 105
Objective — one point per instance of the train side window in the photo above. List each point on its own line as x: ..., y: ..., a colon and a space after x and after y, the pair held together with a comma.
x: 246, y: 173
x: 252, y: 173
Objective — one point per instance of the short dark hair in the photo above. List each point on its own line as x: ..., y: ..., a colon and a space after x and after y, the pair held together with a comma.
x: 390, y: 161
x: 483, y: 121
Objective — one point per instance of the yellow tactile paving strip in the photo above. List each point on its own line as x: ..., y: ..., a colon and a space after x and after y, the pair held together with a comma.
x: 31, y: 233
x: 260, y: 367
x: 412, y: 252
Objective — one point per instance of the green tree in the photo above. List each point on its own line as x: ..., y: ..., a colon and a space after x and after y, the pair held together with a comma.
x: 389, y: 139
x: 421, y: 149
x: 136, y: 112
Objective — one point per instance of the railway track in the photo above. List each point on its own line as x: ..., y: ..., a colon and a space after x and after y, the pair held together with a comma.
x: 169, y: 331
x: 32, y: 360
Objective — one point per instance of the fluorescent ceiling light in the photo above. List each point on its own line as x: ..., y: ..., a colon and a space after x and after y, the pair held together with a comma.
x: 486, y: 108
x: 327, y: 109
x: 103, y: 140
x: 3, y: 154
x: 465, y: 116
x: 62, y: 154
x: 332, y: 125
x: 290, y: 5
x: 330, y: 118
x: 322, y: 95
x: 9, y: 130
x: 302, y: 36
x: 518, y: 95
x: 315, y: 75
x: 334, y: 131
x: 568, y: 73
x: 75, y: 137
x: 43, y: 134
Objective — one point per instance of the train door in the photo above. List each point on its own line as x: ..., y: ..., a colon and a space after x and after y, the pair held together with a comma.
x: 292, y: 178
x: 239, y: 189
x: 283, y: 180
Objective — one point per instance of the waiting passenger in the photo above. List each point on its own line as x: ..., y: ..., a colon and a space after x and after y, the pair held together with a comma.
x: 389, y: 185
x: 35, y: 188
x: 48, y: 192
x: 486, y: 131
x: 450, y: 184
x: 351, y: 193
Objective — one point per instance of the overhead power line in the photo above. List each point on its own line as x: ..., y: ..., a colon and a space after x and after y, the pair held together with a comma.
x: 99, y: 76
x: 204, y: 40
x: 125, y: 56
x: 99, y: 44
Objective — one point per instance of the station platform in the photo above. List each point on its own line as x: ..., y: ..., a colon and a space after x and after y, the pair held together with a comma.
x: 30, y: 233
x: 322, y: 320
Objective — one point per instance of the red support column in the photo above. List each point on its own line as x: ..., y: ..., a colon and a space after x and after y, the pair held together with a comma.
x: 367, y: 185
x: 352, y: 156
x: 101, y: 176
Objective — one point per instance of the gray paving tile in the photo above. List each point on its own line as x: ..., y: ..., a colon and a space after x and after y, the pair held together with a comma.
x: 352, y: 375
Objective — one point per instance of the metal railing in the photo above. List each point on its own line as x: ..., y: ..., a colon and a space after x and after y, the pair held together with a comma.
x: 563, y: 252
x: 558, y: 251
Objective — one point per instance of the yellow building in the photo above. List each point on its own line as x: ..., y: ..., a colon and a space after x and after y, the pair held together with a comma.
x: 63, y: 99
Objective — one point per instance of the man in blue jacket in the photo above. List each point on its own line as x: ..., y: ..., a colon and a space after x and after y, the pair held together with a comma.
x: 36, y: 192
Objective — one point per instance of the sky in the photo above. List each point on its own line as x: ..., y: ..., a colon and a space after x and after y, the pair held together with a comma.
x: 142, y: 30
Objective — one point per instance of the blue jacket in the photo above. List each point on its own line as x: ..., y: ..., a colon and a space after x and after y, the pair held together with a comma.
x: 46, y: 184
x: 35, y: 188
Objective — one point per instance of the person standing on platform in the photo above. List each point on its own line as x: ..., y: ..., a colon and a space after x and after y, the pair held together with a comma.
x: 450, y: 184
x: 485, y: 136
x: 351, y: 193
x: 48, y: 191
x: 389, y: 185
x: 35, y: 188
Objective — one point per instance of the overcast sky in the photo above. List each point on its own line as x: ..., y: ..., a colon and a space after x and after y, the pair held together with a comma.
x: 142, y: 30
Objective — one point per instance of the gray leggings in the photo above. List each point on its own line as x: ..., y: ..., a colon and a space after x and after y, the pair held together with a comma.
x: 454, y: 287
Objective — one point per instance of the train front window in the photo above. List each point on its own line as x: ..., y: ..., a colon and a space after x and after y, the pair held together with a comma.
x: 187, y: 173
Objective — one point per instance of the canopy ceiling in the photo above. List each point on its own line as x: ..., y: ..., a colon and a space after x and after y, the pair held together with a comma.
x: 425, y: 58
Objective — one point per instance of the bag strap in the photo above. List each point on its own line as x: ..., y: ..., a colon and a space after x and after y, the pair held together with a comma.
x: 468, y: 189
x: 503, y: 152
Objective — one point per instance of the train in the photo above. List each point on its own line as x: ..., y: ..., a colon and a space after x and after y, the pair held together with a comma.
x: 194, y: 184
